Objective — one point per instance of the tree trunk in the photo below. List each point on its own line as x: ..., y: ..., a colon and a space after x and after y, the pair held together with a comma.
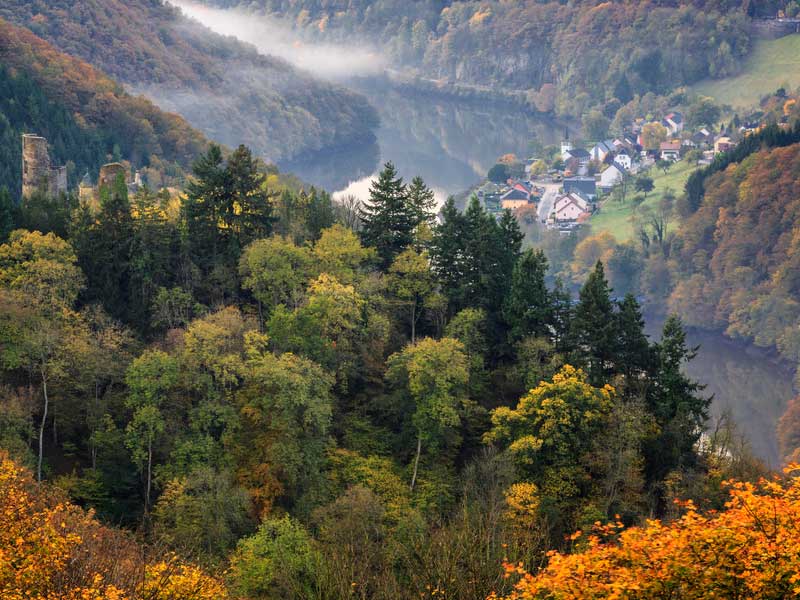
x: 149, y: 466
x: 416, y: 462
x: 41, y: 428
x: 414, y: 323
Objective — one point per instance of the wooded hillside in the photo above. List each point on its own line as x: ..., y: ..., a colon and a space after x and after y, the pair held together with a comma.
x: 223, y: 87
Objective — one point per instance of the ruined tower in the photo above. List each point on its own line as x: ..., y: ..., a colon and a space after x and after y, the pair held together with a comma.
x: 37, y: 171
x: 109, y: 173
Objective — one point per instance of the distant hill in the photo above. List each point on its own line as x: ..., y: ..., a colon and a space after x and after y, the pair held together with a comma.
x: 569, y: 56
x: 773, y: 64
x: 87, y: 117
x: 221, y: 86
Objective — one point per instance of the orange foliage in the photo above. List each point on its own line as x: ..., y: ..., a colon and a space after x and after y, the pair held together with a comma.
x: 749, y: 550
x: 53, y: 550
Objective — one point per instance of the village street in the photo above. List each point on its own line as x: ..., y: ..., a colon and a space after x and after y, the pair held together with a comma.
x: 548, y: 198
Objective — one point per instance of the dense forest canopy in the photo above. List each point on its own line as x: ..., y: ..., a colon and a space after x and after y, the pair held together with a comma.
x: 221, y: 86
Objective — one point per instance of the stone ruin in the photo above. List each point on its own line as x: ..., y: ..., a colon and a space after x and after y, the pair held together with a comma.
x: 38, y: 173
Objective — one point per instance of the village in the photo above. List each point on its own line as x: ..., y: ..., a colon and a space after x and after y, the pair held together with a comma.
x: 563, y: 187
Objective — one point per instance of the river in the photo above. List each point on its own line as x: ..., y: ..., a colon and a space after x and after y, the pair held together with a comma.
x: 451, y: 144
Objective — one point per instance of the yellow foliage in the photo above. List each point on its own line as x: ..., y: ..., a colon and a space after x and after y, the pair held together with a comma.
x: 53, y: 550
x: 749, y: 550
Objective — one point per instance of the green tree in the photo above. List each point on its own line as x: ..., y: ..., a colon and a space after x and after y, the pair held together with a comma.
x: 644, y: 184
x: 634, y: 354
x: 527, y: 308
x: 499, y: 173
x: 595, y: 125
x: 285, y: 407
x: 594, y: 326
x: 422, y: 200
x: 676, y: 402
x: 411, y: 282
x: 278, y: 561
x: 388, y: 219
x: 150, y: 379
x: 434, y: 374
x: 7, y: 214
x: 275, y: 271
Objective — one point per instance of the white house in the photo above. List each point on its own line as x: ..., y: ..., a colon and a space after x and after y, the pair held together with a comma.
x: 624, y: 160
x: 670, y: 151
x: 569, y: 208
x: 613, y: 175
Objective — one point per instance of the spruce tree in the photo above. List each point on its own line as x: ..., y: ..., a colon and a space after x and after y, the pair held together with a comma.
x: 7, y: 214
x: 388, y: 219
x: 634, y: 353
x: 594, y: 327
x: 422, y: 201
x: 528, y: 309
x: 676, y: 402
x: 448, y: 253
x: 562, y: 311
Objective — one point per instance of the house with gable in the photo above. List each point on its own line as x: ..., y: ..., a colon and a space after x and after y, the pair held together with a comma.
x: 613, y: 175
x: 602, y: 149
x: 673, y: 122
x: 569, y: 208
x: 515, y: 198
x: 670, y: 151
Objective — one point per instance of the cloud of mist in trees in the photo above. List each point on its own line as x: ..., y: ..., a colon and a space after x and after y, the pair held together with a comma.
x: 269, y: 36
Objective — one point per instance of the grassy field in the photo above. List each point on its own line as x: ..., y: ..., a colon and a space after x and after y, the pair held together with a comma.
x: 615, y: 217
x: 772, y: 64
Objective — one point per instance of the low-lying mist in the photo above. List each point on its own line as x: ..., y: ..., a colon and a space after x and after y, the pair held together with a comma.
x: 269, y: 36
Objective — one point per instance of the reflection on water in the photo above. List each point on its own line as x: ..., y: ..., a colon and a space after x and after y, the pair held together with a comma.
x: 450, y: 144
x: 752, y: 386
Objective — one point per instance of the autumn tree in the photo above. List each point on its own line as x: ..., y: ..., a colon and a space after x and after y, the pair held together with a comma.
x: 411, y: 282
x: 551, y: 428
x: 434, y: 374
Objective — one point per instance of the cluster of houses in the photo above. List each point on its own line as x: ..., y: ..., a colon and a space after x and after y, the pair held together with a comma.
x: 513, y: 195
x: 589, y: 173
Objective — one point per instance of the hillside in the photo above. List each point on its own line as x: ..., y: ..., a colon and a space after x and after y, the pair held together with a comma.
x: 88, y: 118
x: 591, y: 52
x: 773, y: 64
x: 221, y: 86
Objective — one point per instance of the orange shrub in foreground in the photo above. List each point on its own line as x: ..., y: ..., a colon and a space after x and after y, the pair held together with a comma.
x: 749, y: 550
x: 54, y: 550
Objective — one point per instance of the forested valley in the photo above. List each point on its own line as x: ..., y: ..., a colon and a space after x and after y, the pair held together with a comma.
x: 220, y: 382
x: 325, y: 401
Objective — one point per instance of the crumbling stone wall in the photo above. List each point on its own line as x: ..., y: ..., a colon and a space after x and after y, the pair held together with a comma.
x: 37, y: 170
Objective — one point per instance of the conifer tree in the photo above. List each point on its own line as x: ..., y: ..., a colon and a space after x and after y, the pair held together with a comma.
x: 594, y: 326
x: 388, y: 218
x: 422, y: 201
x: 634, y: 354
x: 448, y: 253
x: 528, y: 309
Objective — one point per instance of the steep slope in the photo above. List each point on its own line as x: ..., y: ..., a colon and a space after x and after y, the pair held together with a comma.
x: 87, y: 117
x: 736, y: 265
x: 220, y: 85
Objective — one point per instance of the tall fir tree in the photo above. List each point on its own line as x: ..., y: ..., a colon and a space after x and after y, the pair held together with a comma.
x: 634, y: 353
x: 388, y: 219
x: 594, y: 327
x: 422, y: 201
x: 528, y: 308
x: 676, y: 402
x: 448, y: 253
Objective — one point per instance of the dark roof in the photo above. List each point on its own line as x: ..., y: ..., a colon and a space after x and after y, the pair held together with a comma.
x: 579, y: 153
x: 514, y: 194
x: 582, y: 185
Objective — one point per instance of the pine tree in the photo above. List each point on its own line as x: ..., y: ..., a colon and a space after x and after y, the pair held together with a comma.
x: 422, y: 200
x: 561, y: 301
x: 248, y: 210
x: 594, y: 327
x: 448, y: 253
x: 320, y: 213
x: 388, y: 219
x: 528, y: 309
x: 676, y: 403
x: 634, y: 354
